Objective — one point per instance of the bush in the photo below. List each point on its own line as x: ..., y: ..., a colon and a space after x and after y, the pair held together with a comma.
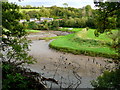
x: 32, y: 25
x: 109, y: 79
x: 15, y: 77
x: 52, y: 25
x: 77, y: 22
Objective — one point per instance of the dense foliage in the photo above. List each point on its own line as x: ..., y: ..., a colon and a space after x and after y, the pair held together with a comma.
x: 108, y: 17
x: 109, y: 79
x: 15, y: 52
x: 78, y: 17
x: 52, y: 25
x: 71, y: 17
x: 60, y: 12
x: 14, y: 42
x: 15, y: 77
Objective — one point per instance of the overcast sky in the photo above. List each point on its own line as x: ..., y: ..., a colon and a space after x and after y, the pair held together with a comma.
x: 48, y: 3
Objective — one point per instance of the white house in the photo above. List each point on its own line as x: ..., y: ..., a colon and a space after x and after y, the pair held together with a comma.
x: 21, y: 21
x: 33, y: 19
x: 48, y: 19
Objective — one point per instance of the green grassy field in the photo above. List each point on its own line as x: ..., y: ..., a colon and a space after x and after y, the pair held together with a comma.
x: 85, y: 42
x: 32, y: 31
x: 72, y: 30
x: 50, y: 38
x: 29, y: 10
x: 90, y: 35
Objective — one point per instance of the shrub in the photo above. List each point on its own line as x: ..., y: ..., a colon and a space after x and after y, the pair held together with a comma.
x: 15, y: 77
x: 108, y: 80
x: 32, y: 25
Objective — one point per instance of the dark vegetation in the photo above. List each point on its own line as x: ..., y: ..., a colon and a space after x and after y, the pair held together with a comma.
x: 70, y: 17
x: 107, y: 18
x: 16, y: 77
x: 66, y: 17
x: 15, y: 52
x: 53, y: 25
x: 109, y: 80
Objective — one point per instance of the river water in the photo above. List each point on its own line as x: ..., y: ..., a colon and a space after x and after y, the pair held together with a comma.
x: 68, y: 69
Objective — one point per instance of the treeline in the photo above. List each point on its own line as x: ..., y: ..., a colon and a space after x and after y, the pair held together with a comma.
x: 60, y: 12
x: 71, y: 17
x: 29, y: 7
x: 77, y: 22
x: 53, y: 25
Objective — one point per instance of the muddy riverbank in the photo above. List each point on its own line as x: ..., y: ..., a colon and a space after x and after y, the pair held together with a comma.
x: 42, y: 34
x: 67, y: 68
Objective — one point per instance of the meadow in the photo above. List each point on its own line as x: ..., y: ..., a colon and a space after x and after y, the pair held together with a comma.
x: 70, y: 29
x: 85, y: 42
x: 21, y: 10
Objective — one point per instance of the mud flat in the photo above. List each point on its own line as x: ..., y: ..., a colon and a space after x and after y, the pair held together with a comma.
x: 67, y: 68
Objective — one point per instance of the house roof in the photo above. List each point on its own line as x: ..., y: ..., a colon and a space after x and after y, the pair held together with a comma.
x: 42, y: 18
x: 33, y: 18
x: 59, y: 19
x: 22, y: 20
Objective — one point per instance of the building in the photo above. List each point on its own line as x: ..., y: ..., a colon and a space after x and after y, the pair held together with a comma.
x: 33, y: 19
x: 48, y: 19
x: 36, y: 20
x: 59, y: 19
x: 21, y: 21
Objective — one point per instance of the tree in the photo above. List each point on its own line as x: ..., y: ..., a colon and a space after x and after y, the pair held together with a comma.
x: 27, y: 17
x: 14, y: 41
x: 108, y: 80
x: 90, y: 22
x: 38, y: 16
x: 28, y: 6
x: 44, y: 12
x: 33, y: 25
x: 65, y: 4
x: 88, y: 10
x: 15, y: 52
x: 83, y: 12
x: 107, y: 18
x: 32, y: 13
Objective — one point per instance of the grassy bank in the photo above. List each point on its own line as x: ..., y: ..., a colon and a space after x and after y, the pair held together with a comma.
x: 50, y: 38
x: 84, y: 42
x: 32, y: 31
x: 70, y: 29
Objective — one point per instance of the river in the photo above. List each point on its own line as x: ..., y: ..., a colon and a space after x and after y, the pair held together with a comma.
x: 70, y: 70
